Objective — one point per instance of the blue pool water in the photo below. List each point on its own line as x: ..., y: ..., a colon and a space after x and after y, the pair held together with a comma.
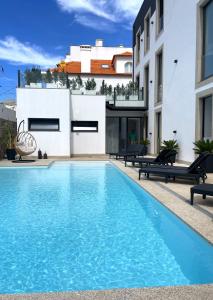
x: 84, y: 226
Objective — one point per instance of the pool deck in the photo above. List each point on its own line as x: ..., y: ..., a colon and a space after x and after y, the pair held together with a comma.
x: 175, y: 196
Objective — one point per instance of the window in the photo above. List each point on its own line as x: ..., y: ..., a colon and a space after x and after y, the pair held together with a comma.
x: 147, y: 33
x: 146, y: 85
x: 128, y: 67
x: 84, y: 126
x: 159, y: 77
x: 138, y: 46
x: 40, y: 124
x: 105, y: 66
x: 207, y: 118
x: 208, y: 40
x: 160, y: 15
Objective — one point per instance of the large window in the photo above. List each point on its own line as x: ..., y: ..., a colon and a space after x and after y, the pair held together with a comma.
x: 138, y: 46
x: 159, y: 77
x: 146, y: 85
x: 41, y: 124
x: 84, y: 126
x: 160, y: 15
x: 128, y: 67
x: 208, y: 40
x: 207, y: 118
x: 147, y: 33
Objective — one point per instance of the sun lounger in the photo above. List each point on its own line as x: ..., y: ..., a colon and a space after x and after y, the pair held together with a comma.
x: 164, y: 157
x: 193, y: 172
x: 202, y: 189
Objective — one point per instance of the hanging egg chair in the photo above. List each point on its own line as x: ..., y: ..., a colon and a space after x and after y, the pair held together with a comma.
x: 25, y: 143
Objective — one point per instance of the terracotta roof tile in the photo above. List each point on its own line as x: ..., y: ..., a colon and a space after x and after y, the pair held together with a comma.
x: 70, y: 67
x: 97, y: 67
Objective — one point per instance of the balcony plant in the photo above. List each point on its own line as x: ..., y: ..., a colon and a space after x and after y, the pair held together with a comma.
x: 7, y: 141
x: 205, y: 146
x: 109, y: 94
x: 75, y: 85
x: 120, y: 92
x: 132, y: 91
x: 33, y: 77
x: 90, y: 86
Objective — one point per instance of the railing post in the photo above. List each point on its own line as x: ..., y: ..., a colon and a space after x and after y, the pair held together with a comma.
x: 19, y: 78
x: 114, y: 95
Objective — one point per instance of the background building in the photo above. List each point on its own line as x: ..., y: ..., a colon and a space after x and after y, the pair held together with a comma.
x: 173, y: 63
x: 111, y: 64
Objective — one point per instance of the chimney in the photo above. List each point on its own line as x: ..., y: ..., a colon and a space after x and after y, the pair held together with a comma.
x: 99, y: 43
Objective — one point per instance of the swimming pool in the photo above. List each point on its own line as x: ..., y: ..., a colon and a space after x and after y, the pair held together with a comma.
x: 86, y: 226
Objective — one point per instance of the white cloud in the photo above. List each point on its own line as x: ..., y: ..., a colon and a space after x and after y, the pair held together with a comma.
x: 92, y: 6
x: 24, y: 53
x: 116, y: 11
x: 97, y: 24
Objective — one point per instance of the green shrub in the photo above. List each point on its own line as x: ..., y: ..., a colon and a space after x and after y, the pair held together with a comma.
x: 202, y: 146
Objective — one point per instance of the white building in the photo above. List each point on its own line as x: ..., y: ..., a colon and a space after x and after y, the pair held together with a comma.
x: 173, y: 62
x: 63, y: 124
x: 111, y: 64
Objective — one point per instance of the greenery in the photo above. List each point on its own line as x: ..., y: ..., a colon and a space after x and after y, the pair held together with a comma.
x: 76, y: 83
x: 90, y: 84
x: 32, y: 75
x: 202, y: 146
x: 48, y: 78
x: 62, y: 77
x: 145, y: 142
x: 55, y: 76
x: 105, y: 89
x: 7, y: 139
x: 170, y: 145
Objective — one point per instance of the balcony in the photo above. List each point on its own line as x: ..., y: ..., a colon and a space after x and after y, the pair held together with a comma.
x: 126, y: 101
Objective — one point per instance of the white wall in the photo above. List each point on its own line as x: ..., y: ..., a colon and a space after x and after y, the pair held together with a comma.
x: 120, y: 64
x: 88, y: 108
x: 47, y: 103
x: 178, y: 41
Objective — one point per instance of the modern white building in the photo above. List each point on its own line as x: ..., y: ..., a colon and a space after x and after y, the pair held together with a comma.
x: 63, y: 124
x: 111, y: 64
x: 173, y: 63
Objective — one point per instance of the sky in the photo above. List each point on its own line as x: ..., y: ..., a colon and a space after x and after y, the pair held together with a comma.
x: 40, y: 32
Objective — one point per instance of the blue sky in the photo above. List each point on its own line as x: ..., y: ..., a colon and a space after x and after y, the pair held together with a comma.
x: 39, y: 32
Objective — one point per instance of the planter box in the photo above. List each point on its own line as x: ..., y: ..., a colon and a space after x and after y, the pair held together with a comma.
x: 109, y: 97
x: 208, y: 164
x: 121, y: 98
x: 11, y: 154
x: 76, y: 92
x: 133, y: 97
x: 51, y: 85
x: 36, y: 85
x: 90, y: 92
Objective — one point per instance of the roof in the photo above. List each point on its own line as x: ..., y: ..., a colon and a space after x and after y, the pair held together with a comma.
x: 97, y: 68
x: 124, y: 54
x: 70, y: 67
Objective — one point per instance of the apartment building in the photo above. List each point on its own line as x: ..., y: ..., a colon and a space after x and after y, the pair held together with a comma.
x: 173, y: 64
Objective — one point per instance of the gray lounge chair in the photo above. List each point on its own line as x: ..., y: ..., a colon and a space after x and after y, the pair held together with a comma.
x: 193, y: 172
x: 164, y: 158
x: 202, y: 189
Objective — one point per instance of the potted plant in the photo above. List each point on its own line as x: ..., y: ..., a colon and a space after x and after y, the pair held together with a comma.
x: 75, y: 85
x: 170, y: 145
x: 133, y: 91
x: 205, y: 146
x: 145, y: 143
x: 90, y: 86
x: 7, y: 141
x: 33, y: 77
x: 109, y: 94
x: 120, y: 92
